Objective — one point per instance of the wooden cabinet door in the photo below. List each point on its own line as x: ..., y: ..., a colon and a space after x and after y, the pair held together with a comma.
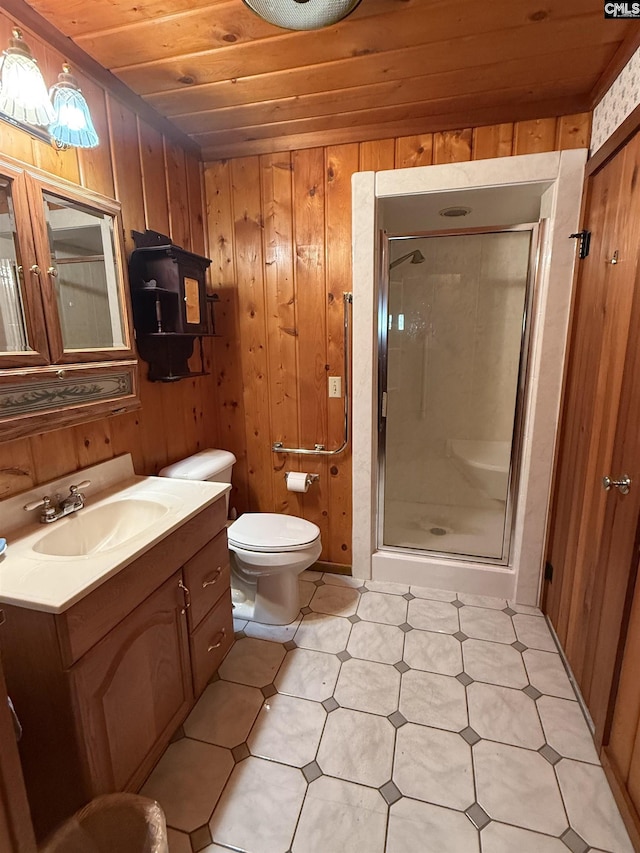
x: 133, y: 689
x: 593, y: 531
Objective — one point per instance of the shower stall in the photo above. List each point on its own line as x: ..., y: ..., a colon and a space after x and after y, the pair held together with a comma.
x: 458, y: 339
x: 453, y: 344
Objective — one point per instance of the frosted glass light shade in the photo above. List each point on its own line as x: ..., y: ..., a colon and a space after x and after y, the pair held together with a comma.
x: 302, y: 14
x: 72, y: 124
x: 23, y: 93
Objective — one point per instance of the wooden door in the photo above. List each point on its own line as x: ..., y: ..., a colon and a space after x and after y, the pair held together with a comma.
x: 132, y: 690
x: 593, y: 531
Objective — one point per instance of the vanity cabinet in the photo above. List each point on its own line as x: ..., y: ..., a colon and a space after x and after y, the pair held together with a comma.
x: 102, y: 687
x: 66, y: 337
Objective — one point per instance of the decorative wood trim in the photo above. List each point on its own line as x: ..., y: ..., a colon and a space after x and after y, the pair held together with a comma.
x: 618, y: 62
x: 32, y: 20
x: 614, y: 143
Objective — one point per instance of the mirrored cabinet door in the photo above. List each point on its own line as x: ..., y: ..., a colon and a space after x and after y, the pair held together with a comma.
x: 83, y: 281
x: 23, y: 339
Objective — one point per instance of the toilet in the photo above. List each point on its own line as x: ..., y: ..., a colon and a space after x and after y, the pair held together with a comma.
x: 268, y: 550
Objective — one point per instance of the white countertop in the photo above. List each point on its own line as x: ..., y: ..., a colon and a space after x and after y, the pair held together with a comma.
x: 53, y: 583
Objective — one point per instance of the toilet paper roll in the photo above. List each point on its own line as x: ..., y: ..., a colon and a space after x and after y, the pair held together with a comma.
x: 298, y: 481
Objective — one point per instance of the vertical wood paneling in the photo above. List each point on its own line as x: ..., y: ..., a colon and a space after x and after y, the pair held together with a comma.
x: 127, y: 171
x: 304, y: 317
x: 282, y: 326
x: 414, y: 151
x: 177, y: 195
x: 94, y: 164
x: 534, y: 136
x: 341, y: 163
x: 494, y: 140
x: 247, y: 210
x: 377, y: 155
x: 573, y: 131
x: 452, y: 146
x: 17, y: 467
x: 195, y: 205
x: 309, y: 242
x: 156, y: 203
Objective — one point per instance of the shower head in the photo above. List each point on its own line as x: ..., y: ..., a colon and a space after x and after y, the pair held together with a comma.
x: 416, y: 258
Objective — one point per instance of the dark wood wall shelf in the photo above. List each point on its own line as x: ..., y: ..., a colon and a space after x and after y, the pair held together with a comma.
x: 171, y: 308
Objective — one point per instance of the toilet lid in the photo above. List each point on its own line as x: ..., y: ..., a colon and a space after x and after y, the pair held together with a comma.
x: 270, y: 531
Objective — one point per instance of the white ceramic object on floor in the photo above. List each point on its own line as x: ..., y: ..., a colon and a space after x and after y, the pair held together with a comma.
x: 268, y: 550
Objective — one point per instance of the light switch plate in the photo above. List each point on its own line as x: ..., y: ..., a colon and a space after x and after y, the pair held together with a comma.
x: 335, y: 386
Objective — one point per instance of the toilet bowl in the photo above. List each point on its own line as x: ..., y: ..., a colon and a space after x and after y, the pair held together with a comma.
x: 268, y: 550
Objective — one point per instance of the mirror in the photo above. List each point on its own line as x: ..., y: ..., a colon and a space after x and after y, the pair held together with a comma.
x: 13, y: 327
x: 85, y: 272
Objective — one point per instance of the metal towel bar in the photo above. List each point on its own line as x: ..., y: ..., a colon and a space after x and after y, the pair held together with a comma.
x: 319, y: 449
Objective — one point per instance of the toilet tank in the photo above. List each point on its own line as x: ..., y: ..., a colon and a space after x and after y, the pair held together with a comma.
x: 213, y: 465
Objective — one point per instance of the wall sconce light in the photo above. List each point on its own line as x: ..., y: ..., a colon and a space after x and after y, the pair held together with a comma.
x: 25, y: 102
x: 23, y: 92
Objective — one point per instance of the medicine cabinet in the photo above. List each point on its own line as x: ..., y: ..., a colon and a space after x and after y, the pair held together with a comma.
x: 66, y: 342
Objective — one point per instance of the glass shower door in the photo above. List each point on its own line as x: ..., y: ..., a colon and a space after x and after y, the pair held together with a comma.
x: 453, y: 349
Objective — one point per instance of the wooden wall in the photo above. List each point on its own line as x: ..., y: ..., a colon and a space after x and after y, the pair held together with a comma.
x: 280, y: 239
x: 159, y: 184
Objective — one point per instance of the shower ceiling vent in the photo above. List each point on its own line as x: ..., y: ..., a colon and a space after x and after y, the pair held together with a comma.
x: 302, y: 14
x: 455, y: 211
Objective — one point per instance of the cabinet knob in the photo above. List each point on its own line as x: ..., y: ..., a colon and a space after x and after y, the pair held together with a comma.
x: 217, y: 645
x: 52, y: 271
x: 213, y: 580
x: 35, y: 269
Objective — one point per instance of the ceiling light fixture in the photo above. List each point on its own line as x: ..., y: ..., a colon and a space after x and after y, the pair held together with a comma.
x: 302, y: 14
x: 23, y: 92
x: 72, y: 124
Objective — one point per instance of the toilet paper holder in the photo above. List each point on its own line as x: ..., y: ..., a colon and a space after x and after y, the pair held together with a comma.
x: 309, y: 479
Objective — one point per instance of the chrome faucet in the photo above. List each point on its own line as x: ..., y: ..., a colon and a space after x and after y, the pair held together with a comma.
x: 53, y: 511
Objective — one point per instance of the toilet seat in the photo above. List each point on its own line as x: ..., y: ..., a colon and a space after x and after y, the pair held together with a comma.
x: 270, y: 532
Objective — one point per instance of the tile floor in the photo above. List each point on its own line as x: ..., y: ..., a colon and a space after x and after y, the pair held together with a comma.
x: 389, y: 719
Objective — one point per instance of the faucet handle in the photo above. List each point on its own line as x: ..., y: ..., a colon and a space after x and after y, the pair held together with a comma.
x: 83, y: 485
x: 44, y: 502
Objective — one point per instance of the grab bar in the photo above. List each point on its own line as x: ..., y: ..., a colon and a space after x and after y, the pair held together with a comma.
x: 319, y: 449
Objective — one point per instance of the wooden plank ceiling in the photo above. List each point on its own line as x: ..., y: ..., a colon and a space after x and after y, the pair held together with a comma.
x: 238, y: 85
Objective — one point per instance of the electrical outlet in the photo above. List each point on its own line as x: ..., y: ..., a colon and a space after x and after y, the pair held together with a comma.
x: 335, y: 386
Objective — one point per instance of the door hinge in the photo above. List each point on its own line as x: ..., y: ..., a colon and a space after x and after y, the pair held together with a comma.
x: 548, y: 571
x: 584, y: 237
x: 383, y: 411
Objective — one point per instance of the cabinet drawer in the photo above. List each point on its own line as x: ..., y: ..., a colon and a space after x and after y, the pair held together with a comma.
x: 210, y: 642
x: 207, y: 576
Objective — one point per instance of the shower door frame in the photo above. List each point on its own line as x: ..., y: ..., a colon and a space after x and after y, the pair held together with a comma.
x: 537, y: 231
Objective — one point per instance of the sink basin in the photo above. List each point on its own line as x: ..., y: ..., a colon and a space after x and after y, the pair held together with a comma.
x: 100, y: 529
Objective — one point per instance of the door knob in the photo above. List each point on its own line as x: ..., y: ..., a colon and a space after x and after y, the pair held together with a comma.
x: 623, y: 484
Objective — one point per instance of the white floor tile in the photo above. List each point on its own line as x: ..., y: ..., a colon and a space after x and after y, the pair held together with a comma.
x: 372, y: 641
x: 499, y: 838
x: 433, y: 652
x: 368, y: 686
x: 433, y: 594
x: 591, y: 807
x: 341, y: 816
x: 566, y: 729
x: 187, y: 782
x: 484, y: 624
x: 288, y: 730
x: 307, y: 591
x: 547, y: 673
x: 518, y: 786
x: 494, y: 663
x: 387, y: 586
x: 274, y: 633
x: 342, y: 580
x: 526, y: 608
x: 428, y: 615
x: 357, y: 747
x: 178, y: 842
x: 416, y: 827
x: 433, y: 766
x: 308, y: 674
x: 310, y: 575
x: 534, y: 632
x: 433, y: 700
x: 482, y: 601
x: 323, y: 633
x: 335, y: 600
x: 505, y: 715
x: 239, y: 624
x: 252, y: 662
x: 259, y: 807
x: 382, y: 607
x: 224, y: 714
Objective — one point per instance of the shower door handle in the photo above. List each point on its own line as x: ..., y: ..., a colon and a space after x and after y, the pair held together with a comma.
x: 623, y: 484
